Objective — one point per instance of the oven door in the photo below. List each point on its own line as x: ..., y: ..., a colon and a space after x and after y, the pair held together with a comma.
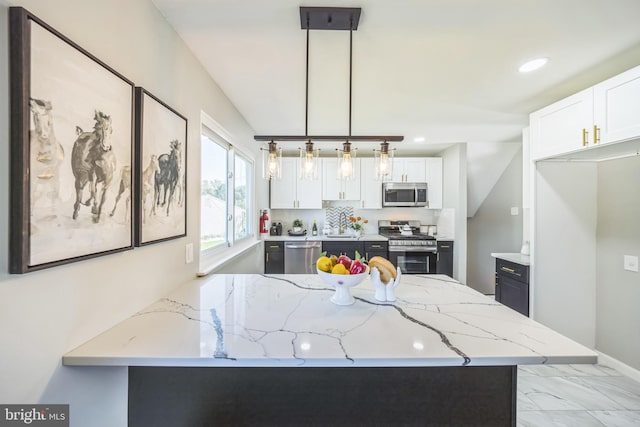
x: 414, y: 261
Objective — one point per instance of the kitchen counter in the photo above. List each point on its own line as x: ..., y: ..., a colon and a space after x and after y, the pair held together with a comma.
x: 518, y: 258
x: 288, y: 320
x: 308, y: 237
x: 273, y: 350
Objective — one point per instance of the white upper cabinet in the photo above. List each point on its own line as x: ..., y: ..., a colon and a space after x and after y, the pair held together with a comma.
x: 434, y: 182
x: 606, y: 113
x: 562, y: 127
x: 370, y: 187
x: 338, y: 189
x: 290, y: 192
x: 409, y: 169
x: 617, y: 107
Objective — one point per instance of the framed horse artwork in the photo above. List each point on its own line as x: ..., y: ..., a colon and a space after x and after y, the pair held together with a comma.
x: 161, y: 147
x: 72, y: 148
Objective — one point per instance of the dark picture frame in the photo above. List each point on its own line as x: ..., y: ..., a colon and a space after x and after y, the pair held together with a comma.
x: 161, y: 181
x: 72, y: 146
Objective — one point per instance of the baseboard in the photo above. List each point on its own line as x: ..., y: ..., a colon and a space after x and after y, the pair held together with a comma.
x: 619, y: 366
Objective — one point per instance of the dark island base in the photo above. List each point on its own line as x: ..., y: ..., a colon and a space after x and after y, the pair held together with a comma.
x: 314, y: 396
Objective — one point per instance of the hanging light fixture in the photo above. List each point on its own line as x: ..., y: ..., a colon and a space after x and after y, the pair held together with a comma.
x: 384, y: 162
x: 309, y: 162
x: 346, y: 162
x: 271, y: 161
x: 328, y: 18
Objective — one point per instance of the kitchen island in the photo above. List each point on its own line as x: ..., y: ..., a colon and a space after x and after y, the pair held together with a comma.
x: 254, y: 349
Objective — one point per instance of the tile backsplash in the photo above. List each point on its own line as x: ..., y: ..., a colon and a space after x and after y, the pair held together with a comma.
x: 330, y: 215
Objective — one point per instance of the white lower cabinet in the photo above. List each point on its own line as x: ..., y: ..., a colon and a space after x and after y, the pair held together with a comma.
x: 290, y: 192
x: 338, y: 189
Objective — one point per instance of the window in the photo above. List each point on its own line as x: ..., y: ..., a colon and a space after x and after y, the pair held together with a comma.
x: 226, y: 193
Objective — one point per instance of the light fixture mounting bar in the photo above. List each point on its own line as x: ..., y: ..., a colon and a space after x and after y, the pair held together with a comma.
x: 330, y: 18
x: 350, y: 138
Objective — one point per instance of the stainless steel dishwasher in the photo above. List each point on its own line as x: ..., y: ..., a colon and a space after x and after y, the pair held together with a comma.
x: 300, y: 257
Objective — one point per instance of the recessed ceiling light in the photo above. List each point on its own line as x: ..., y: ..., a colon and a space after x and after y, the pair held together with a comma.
x: 532, y: 65
x: 418, y: 139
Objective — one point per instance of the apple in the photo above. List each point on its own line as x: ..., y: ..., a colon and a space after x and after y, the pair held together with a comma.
x: 357, y: 267
x: 345, y: 260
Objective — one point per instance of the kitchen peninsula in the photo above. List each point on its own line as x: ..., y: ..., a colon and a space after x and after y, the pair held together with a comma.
x: 256, y: 349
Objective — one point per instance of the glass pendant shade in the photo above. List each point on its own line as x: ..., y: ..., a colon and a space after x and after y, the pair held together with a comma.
x: 346, y: 162
x: 309, y: 162
x: 384, y: 162
x: 272, y: 162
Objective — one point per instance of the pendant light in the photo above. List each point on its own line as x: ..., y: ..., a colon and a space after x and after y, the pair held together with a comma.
x: 271, y: 161
x: 346, y: 162
x: 384, y: 162
x: 323, y: 18
x: 309, y: 162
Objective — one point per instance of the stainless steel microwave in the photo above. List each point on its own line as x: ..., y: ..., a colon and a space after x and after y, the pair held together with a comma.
x: 404, y: 194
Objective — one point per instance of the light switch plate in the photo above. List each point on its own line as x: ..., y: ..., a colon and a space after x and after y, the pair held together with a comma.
x: 515, y: 210
x: 188, y: 253
x: 631, y: 263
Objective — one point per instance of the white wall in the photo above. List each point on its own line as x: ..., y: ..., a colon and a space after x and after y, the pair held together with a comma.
x: 454, y: 191
x: 44, y: 314
x: 565, y: 249
x: 494, y: 229
x: 618, y: 234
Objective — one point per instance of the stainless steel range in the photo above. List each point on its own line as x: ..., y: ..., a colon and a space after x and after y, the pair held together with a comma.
x: 412, y: 251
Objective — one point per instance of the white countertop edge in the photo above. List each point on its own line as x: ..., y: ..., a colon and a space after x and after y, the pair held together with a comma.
x: 220, y: 261
x: 518, y: 258
x: 212, y: 362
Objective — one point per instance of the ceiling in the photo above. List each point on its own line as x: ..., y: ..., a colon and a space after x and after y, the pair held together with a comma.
x: 445, y: 70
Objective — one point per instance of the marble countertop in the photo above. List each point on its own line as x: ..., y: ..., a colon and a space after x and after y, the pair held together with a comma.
x: 309, y: 237
x: 288, y: 320
x: 518, y: 258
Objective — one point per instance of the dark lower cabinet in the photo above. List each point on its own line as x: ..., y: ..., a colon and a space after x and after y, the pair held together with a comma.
x: 273, y: 257
x: 343, y: 248
x: 375, y: 248
x: 512, y: 285
x: 444, y: 263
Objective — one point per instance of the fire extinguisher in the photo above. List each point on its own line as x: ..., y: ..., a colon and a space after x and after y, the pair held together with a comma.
x: 264, y: 219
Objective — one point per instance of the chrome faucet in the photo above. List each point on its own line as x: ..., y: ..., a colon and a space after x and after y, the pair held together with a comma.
x: 342, y: 226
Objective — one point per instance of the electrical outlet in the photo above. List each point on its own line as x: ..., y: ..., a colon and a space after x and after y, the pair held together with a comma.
x: 515, y: 210
x: 631, y: 263
x: 188, y: 253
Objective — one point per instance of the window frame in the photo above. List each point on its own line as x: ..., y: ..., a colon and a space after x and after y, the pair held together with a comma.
x: 218, y: 135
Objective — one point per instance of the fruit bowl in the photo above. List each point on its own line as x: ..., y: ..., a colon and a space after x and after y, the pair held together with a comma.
x: 342, y: 283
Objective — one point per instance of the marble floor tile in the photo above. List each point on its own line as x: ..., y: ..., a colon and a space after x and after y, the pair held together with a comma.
x: 622, y: 390
x: 560, y: 393
x: 617, y: 418
x: 557, y: 419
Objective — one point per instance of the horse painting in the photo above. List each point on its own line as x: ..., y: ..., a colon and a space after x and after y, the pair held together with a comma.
x: 46, y: 155
x: 166, y: 178
x: 148, y: 178
x: 93, y: 163
x: 125, y: 185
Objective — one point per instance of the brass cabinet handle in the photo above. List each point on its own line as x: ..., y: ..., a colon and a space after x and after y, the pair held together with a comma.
x: 377, y: 246
x: 274, y: 246
x: 366, y: 255
x: 585, y: 135
x: 596, y: 134
x: 509, y: 270
x: 267, y: 258
x: 445, y: 246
